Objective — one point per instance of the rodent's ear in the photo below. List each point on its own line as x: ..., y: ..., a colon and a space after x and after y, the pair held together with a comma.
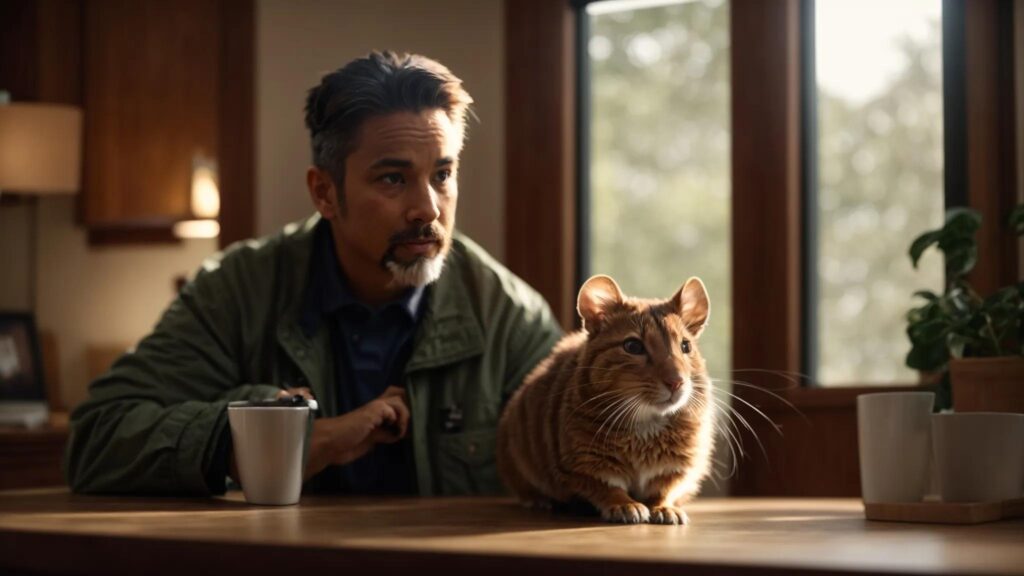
x: 693, y: 305
x: 597, y: 297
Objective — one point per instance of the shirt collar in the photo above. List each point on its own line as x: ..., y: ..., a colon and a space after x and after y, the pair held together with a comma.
x: 328, y: 291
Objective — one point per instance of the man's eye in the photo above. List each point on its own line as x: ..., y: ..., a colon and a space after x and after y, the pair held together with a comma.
x: 391, y: 178
x: 444, y: 175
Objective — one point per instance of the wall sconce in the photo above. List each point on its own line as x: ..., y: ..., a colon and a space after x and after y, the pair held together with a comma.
x: 204, y: 201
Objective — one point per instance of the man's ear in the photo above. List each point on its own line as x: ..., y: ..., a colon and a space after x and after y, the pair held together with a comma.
x: 598, y: 296
x: 693, y: 304
x: 323, y: 192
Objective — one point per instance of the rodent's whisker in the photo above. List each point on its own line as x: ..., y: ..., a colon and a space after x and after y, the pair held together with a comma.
x: 750, y: 428
x: 759, y: 388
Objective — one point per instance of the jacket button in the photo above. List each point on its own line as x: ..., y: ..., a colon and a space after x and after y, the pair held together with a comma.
x: 302, y: 353
x: 471, y: 448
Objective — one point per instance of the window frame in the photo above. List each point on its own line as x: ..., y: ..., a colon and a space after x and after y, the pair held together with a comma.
x: 818, y: 455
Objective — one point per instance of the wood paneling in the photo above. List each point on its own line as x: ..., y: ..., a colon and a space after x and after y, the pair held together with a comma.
x: 766, y: 185
x: 236, y: 118
x: 60, y: 51
x: 51, y: 370
x: 540, y: 215
x: 32, y: 458
x: 804, y: 441
x: 991, y: 139
x: 766, y: 208
x: 151, y: 98
x: 19, y: 54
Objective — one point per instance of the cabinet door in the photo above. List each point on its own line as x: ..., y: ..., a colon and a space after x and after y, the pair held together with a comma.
x: 151, y: 79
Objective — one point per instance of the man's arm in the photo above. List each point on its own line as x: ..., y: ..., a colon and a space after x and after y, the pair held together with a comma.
x: 156, y: 422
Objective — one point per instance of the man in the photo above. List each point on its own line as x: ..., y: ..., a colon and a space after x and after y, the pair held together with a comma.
x: 409, y: 335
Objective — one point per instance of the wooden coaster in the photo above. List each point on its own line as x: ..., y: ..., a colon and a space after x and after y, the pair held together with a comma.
x: 945, y: 512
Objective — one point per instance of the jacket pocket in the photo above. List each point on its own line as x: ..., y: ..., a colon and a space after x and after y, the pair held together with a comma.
x: 467, y: 462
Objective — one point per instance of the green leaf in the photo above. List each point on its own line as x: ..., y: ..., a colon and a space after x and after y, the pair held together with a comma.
x: 961, y: 255
x: 928, y: 357
x: 922, y: 243
x: 1017, y: 220
x: 956, y: 344
x: 927, y: 295
x: 962, y: 219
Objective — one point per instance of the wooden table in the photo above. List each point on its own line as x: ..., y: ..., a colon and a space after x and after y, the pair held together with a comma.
x: 51, y: 531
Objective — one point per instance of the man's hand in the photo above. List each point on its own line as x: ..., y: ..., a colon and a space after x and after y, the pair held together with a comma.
x: 288, y: 392
x: 345, y: 438
x: 232, y: 463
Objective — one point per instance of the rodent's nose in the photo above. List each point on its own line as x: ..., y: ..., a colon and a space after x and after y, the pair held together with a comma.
x: 674, y: 384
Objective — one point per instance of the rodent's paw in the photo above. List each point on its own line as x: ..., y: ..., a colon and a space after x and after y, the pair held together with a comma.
x: 669, y: 515
x: 633, y: 513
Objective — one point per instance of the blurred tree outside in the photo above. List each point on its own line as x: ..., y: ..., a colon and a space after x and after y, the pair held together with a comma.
x: 660, y: 182
x: 880, y: 185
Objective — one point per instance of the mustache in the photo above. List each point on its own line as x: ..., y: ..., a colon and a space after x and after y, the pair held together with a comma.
x: 424, y: 232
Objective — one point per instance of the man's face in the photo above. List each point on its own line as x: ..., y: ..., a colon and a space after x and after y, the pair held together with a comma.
x: 400, y: 193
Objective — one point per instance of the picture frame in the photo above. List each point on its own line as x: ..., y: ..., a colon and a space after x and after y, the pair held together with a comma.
x: 22, y: 381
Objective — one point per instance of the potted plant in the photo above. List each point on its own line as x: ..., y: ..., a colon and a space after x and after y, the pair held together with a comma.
x: 974, y: 343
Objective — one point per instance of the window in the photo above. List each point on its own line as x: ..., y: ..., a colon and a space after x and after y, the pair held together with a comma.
x: 656, y: 146
x: 879, y: 182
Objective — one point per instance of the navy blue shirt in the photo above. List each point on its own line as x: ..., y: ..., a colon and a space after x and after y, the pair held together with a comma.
x: 371, y: 347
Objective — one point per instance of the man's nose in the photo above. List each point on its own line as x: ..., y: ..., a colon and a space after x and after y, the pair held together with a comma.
x: 425, y: 205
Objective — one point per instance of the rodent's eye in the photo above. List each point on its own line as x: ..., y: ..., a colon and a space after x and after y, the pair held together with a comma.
x: 685, y: 346
x: 633, y: 346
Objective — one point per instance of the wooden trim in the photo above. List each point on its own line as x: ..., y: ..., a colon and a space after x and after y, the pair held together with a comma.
x: 766, y: 216
x: 766, y: 185
x: 236, y: 118
x: 60, y: 51
x: 540, y: 149
x: 823, y: 398
x: 991, y: 139
x: 140, y: 235
x: 1018, y: 64
x: 51, y: 370
x: 19, y: 51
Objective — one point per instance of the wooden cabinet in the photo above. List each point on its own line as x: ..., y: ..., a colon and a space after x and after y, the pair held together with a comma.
x: 160, y: 81
x: 151, y: 84
x: 33, y: 458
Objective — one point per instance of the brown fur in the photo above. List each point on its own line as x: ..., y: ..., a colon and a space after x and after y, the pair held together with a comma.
x: 584, y: 423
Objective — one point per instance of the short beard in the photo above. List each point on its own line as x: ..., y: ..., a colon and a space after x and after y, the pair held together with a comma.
x: 421, y: 272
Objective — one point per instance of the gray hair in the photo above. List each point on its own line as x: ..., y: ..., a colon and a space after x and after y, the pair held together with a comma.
x: 377, y: 84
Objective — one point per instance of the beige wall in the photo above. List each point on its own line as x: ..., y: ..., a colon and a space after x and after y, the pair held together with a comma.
x: 95, y: 296
x: 300, y: 40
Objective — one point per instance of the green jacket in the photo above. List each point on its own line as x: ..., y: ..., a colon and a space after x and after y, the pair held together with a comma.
x: 156, y: 422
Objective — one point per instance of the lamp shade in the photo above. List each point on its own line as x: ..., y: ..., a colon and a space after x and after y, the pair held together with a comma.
x: 40, y: 148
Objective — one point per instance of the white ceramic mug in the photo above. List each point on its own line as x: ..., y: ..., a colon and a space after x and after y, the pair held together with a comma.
x: 979, y: 456
x: 894, y: 438
x: 269, y: 444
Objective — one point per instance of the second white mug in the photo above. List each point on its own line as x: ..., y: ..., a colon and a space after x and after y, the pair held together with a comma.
x: 894, y: 437
x: 979, y: 456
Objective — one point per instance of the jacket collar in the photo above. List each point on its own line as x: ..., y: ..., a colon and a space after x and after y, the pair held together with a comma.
x: 327, y: 289
x: 449, y: 332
